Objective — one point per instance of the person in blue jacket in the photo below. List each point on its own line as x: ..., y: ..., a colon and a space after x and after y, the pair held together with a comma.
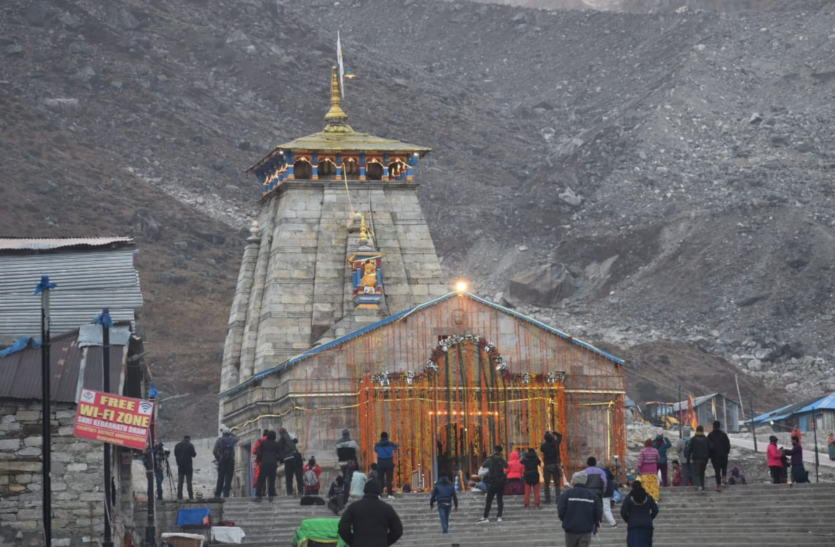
x: 385, y: 461
x: 638, y: 510
x: 444, y: 494
x: 662, y: 444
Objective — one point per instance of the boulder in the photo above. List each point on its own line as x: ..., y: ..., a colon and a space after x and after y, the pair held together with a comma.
x: 543, y: 286
x: 36, y: 14
x: 121, y: 18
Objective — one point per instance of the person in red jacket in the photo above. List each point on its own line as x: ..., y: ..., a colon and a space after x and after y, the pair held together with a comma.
x: 257, y: 470
x: 775, y: 460
x: 312, y: 489
x: 515, y: 471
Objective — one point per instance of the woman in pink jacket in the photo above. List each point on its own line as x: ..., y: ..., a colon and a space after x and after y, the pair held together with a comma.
x: 648, y: 469
x: 775, y: 462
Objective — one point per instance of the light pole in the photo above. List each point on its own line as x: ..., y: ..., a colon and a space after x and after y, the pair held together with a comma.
x: 43, y: 289
x: 817, y: 455
x: 150, y: 527
x: 106, y: 324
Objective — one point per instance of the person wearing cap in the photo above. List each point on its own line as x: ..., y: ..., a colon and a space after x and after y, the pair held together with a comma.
x: 224, y: 453
x: 720, y: 450
x: 699, y: 452
x: 348, y: 457
x: 370, y: 522
x: 581, y: 512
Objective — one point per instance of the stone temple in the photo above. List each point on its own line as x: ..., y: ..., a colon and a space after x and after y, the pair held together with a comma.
x: 342, y: 317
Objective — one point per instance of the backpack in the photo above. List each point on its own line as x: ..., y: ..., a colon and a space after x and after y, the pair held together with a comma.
x: 688, y: 451
x: 310, y: 478
x: 227, y: 449
x: 311, y: 500
x: 497, y: 476
x: 346, y: 453
x: 595, y: 484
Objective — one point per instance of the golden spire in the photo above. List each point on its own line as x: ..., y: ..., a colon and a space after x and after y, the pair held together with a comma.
x: 336, y: 117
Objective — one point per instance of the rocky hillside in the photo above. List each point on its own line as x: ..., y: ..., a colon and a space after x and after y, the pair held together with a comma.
x: 674, y: 167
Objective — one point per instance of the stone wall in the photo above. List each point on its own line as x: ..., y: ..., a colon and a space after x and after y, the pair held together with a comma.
x: 294, y: 287
x: 77, y: 480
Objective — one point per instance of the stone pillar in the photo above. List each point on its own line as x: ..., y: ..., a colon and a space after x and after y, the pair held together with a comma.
x: 240, y: 306
x: 330, y: 261
x: 285, y: 326
x: 420, y: 261
x: 253, y: 316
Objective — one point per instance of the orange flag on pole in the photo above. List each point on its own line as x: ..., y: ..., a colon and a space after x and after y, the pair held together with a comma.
x: 691, y: 414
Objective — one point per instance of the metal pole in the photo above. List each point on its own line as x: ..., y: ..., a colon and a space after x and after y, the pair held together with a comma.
x: 46, y: 395
x: 150, y: 528
x: 739, y: 394
x: 753, y: 424
x: 106, y: 323
x: 817, y: 454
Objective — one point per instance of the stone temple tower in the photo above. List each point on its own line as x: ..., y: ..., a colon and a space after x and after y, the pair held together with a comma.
x: 340, y: 243
x: 342, y: 319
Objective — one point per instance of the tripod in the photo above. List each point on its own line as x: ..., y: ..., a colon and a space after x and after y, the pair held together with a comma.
x: 166, y: 467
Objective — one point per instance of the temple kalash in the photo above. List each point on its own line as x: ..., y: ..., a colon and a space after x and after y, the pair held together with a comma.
x: 342, y: 318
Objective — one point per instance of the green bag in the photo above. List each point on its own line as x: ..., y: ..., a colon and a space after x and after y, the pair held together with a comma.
x: 318, y: 530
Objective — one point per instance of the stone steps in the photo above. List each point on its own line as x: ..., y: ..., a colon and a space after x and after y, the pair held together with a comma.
x: 762, y: 515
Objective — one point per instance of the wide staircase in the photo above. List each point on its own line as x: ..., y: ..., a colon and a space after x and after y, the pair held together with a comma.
x: 756, y: 515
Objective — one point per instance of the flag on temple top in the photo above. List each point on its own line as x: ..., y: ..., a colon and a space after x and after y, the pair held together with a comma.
x: 341, y: 66
x: 694, y: 422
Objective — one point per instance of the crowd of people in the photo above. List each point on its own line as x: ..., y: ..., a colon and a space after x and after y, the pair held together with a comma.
x: 582, y: 507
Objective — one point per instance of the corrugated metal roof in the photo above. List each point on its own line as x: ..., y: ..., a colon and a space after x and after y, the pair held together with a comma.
x: 87, y: 282
x: 20, y: 373
x: 826, y: 402
x: 48, y: 243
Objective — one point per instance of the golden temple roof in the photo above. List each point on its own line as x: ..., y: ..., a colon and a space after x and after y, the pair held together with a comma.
x: 338, y: 136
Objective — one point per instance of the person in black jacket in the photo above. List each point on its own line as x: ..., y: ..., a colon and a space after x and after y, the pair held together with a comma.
x: 496, y: 479
x: 638, y: 511
x: 336, y: 495
x: 287, y: 456
x: 698, y: 451
x: 720, y: 448
x: 551, y: 464
x: 581, y: 512
x: 268, y: 455
x: 370, y: 522
x: 184, y: 455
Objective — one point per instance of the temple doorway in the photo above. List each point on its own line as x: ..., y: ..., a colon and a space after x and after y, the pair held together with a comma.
x: 448, y: 417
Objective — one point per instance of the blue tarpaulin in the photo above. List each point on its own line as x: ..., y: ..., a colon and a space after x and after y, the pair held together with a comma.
x: 20, y: 345
x: 193, y: 517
